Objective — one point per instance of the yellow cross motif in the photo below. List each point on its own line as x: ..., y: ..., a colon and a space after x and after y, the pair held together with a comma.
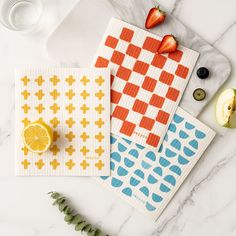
x: 70, y: 122
x: 54, y: 80
x: 55, y: 136
x: 25, y: 121
x: 40, y: 164
x: 25, y: 94
x: 99, y: 137
x: 70, y: 150
x: 70, y: 94
x: 99, y: 151
x: 84, y: 136
x: 84, y: 122
x: 99, y: 108
x: 41, y: 119
x: 70, y: 136
x: 54, y: 94
x: 25, y: 163
x: 54, y: 108
x: 99, y: 80
x: 70, y: 164
x: 84, y: 164
x: 54, y: 164
x: 84, y: 109
x: 70, y: 108
x: 84, y: 80
x: 25, y: 108
x: 55, y: 122
x: 25, y: 150
x: 25, y: 80
x: 84, y: 150
x: 39, y: 80
x: 99, y: 123
x: 40, y: 108
x: 40, y: 94
x: 99, y: 94
x: 84, y: 94
x: 70, y: 80
x: 54, y: 149
x: 99, y: 164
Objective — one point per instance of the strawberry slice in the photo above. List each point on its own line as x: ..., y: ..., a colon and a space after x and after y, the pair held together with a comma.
x: 168, y: 44
x: 155, y: 17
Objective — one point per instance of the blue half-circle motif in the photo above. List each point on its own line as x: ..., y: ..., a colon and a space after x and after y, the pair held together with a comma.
x: 139, y: 173
x: 152, y: 179
x: 188, y: 152
x: 172, y: 128
x: 151, y: 156
x: 145, y: 165
x: 112, y: 165
x: 163, y: 162
x: 127, y: 191
x: 158, y: 170
x: 170, y: 179
x: 115, y: 156
x: 139, y: 146
x: 169, y: 153
x: 150, y: 207
x: 156, y: 197
x: 133, y: 181
x: 194, y: 143
x: 176, y: 170
x: 164, y: 188
x: 182, y: 160
x: 199, y: 134
x: 112, y: 139
x: 129, y: 163
x: 144, y: 190
x: 176, y: 144
x: 189, y: 126
x: 127, y: 141
x: 183, y: 134
x: 134, y: 153
x: 121, y: 147
x: 104, y: 177
x: 178, y: 119
x: 116, y: 182
x: 122, y: 171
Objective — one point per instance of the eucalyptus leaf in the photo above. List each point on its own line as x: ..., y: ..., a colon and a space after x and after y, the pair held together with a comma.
x: 80, y: 226
x: 77, y: 219
x: 62, y: 206
x: 68, y: 218
x: 92, y: 233
x: 55, y: 195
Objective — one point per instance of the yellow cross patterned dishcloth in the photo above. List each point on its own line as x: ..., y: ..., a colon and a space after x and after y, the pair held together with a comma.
x: 76, y: 105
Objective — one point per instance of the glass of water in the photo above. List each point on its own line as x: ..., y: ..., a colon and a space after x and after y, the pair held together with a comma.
x: 20, y: 15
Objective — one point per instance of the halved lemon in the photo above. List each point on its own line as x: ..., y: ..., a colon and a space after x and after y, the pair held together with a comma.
x: 37, y: 137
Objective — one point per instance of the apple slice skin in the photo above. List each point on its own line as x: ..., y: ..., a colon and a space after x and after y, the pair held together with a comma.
x: 225, y: 116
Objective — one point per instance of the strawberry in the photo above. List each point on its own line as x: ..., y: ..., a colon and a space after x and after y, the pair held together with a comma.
x: 168, y: 44
x: 155, y: 17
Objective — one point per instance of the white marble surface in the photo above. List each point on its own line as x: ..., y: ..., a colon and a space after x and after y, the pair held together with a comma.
x: 206, y: 203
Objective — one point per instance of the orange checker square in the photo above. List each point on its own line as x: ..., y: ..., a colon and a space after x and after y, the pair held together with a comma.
x: 153, y: 140
x: 112, y: 79
x: 176, y: 56
x: 115, y: 96
x: 182, y: 71
x: 151, y: 44
x: 111, y: 42
x: 126, y: 34
x: 131, y: 89
x: 140, y: 106
x: 141, y: 67
x: 123, y: 73
x: 157, y: 101
x: 162, y: 117
x: 149, y: 84
x: 172, y: 94
x: 158, y: 61
x: 117, y: 57
x: 133, y: 50
x: 120, y: 113
x: 101, y: 62
x: 166, y: 77
x: 146, y: 123
x: 127, y: 128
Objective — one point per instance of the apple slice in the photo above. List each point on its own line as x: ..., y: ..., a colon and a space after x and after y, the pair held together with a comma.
x: 225, y: 108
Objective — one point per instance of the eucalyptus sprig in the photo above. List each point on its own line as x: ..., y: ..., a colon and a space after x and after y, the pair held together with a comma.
x: 72, y: 218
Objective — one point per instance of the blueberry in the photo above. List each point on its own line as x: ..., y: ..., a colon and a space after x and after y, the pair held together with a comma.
x: 202, y: 73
